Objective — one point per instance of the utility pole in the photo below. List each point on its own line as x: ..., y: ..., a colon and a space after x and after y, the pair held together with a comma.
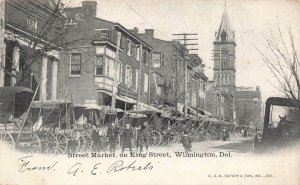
x: 140, y: 77
x: 115, y: 84
x: 186, y: 50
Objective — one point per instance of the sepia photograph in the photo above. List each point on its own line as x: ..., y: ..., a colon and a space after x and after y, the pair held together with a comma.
x: 149, y: 92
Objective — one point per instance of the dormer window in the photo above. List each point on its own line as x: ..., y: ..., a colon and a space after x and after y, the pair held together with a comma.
x: 223, y: 36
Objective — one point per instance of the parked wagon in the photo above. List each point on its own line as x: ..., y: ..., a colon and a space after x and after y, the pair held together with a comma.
x: 15, y: 130
x: 54, y: 126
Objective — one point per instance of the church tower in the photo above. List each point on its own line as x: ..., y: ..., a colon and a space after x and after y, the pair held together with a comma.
x: 224, y: 56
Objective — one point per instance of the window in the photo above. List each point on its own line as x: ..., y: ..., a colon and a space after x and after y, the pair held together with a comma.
x: 128, y: 47
x: 224, y: 62
x: 120, y: 73
x: 75, y: 64
x: 109, y: 66
x: 174, y: 84
x: 103, y: 34
x: 1, y: 23
x: 159, y: 91
x: 137, y: 53
x: 156, y: 59
x: 31, y: 24
x: 194, y: 99
x: 146, y: 80
x: 136, y: 79
x: 128, y: 76
x: 224, y: 52
x: 79, y: 16
x: 99, y: 65
x: 145, y: 56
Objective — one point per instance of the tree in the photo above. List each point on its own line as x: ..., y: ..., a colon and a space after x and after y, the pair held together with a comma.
x: 281, y: 57
x: 49, y: 33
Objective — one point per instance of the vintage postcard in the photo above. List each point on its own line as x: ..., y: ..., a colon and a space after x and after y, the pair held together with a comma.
x: 149, y: 92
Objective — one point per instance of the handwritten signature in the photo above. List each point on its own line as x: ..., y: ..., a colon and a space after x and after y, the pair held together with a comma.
x: 117, y: 166
x: 26, y: 165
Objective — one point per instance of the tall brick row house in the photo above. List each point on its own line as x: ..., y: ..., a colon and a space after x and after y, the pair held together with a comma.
x: 87, y: 73
x: 168, y: 60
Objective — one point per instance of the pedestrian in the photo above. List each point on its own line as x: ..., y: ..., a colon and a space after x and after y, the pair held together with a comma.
x: 144, y: 137
x: 246, y: 132
x: 112, y: 134
x: 127, y: 136
x: 186, y: 142
x: 225, y: 134
x: 96, y: 139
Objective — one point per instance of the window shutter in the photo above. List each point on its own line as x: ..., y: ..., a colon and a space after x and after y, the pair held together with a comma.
x: 133, y: 48
x: 162, y: 59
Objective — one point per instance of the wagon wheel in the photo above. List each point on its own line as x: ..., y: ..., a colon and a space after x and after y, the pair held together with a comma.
x: 35, y: 145
x: 50, y: 143
x: 177, y: 138
x: 7, y: 138
x: 207, y: 137
x: 169, y: 140
x: 62, y: 143
x: 88, y: 141
x: 79, y: 143
x: 156, y: 138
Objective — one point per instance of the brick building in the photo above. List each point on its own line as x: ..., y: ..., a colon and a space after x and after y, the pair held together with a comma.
x: 215, y: 100
x: 196, y: 83
x: 168, y: 61
x: 87, y: 73
x: 31, y: 55
x: 249, y: 106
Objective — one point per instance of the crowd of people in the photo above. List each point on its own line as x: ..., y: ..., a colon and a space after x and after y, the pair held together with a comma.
x: 126, y: 136
x: 141, y: 134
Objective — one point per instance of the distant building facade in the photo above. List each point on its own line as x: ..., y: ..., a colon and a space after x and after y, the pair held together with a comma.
x: 168, y: 60
x: 249, y: 106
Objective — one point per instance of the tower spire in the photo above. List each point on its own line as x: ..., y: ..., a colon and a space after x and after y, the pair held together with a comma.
x: 225, y: 32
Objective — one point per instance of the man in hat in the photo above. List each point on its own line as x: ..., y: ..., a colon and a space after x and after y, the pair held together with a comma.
x: 96, y: 139
x: 112, y: 134
x: 127, y: 136
x: 186, y: 141
x: 144, y: 137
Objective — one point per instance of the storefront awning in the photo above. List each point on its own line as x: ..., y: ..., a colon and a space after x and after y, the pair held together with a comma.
x: 49, y: 104
x: 126, y: 99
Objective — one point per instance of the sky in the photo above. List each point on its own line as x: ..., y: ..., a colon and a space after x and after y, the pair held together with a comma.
x: 252, y: 21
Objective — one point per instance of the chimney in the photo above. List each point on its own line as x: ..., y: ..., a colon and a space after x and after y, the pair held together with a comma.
x: 135, y: 30
x: 149, y: 32
x: 257, y: 88
x: 90, y: 8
